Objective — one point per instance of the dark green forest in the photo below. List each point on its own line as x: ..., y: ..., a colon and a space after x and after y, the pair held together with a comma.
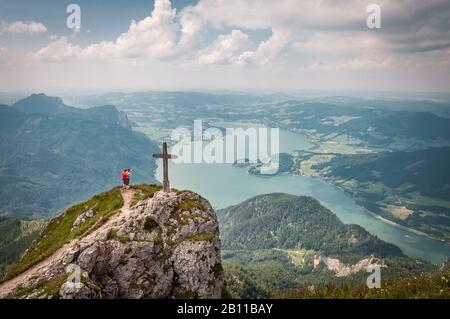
x: 15, y: 236
x: 288, y: 221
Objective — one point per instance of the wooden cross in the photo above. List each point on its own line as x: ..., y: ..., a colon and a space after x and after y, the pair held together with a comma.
x: 165, y: 156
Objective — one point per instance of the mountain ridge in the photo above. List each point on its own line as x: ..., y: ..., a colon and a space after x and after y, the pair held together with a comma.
x: 138, y: 243
x: 71, y: 153
x: 42, y: 104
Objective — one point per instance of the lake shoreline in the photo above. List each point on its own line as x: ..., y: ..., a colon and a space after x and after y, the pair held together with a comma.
x: 385, y: 220
x: 225, y: 185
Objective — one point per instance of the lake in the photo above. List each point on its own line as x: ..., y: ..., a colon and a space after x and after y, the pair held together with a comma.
x: 224, y: 185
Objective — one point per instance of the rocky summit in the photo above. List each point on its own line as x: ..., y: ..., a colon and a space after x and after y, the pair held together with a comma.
x: 156, y: 245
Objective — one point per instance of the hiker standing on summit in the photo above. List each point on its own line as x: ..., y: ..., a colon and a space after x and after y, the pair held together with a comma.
x: 126, y: 174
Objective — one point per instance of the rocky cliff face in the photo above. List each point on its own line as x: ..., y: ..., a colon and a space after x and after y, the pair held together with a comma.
x: 343, y: 270
x: 166, y: 246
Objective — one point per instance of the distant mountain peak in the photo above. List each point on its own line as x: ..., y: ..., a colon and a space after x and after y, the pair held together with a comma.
x: 43, y: 104
x: 42, y: 97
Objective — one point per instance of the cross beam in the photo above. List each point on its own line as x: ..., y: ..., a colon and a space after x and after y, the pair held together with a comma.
x: 165, y: 156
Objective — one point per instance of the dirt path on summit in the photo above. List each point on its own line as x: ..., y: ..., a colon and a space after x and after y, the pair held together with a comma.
x: 8, y: 286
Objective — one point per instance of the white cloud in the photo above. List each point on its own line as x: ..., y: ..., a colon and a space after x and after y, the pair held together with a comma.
x: 268, y: 49
x: 333, y: 27
x: 226, y: 49
x: 156, y: 35
x: 367, y: 63
x: 168, y: 35
x: 326, y: 27
x: 235, y: 48
x: 24, y: 27
x: 283, y: 39
x: 161, y: 35
x: 57, y: 50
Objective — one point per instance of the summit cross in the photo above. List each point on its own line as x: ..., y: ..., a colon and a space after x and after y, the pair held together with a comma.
x: 165, y: 156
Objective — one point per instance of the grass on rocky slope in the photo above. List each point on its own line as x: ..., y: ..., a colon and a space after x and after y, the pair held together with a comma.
x: 60, y: 230
x: 187, y: 205
x: 423, y: 286
x: 144, y: 191
x: 47, y: 288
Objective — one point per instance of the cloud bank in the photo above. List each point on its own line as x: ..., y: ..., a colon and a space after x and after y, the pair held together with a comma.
x: 24, y: 27
x: 299, y: 28
x: 326, y: 41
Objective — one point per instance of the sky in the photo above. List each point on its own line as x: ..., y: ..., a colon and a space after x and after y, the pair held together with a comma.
x: 243, y: 45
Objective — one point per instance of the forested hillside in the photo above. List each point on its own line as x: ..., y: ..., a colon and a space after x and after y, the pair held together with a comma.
x: 289, y: 222
x: 16, y: 235
x: 278, y: 243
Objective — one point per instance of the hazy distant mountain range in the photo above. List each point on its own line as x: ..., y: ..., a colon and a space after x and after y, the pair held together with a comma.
x: 185, y: 99
x: 371, y: 124
x: 54, y: 155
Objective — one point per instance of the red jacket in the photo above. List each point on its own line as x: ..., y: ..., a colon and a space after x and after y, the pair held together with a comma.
x: 124, y: 175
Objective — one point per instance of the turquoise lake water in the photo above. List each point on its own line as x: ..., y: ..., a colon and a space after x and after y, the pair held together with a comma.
x: 224, y: 185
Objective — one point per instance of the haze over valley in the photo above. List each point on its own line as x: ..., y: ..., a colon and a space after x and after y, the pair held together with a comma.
x: 120, y: 154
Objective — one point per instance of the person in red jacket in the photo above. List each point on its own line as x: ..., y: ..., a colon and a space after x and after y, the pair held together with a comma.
x: 126, y: 174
